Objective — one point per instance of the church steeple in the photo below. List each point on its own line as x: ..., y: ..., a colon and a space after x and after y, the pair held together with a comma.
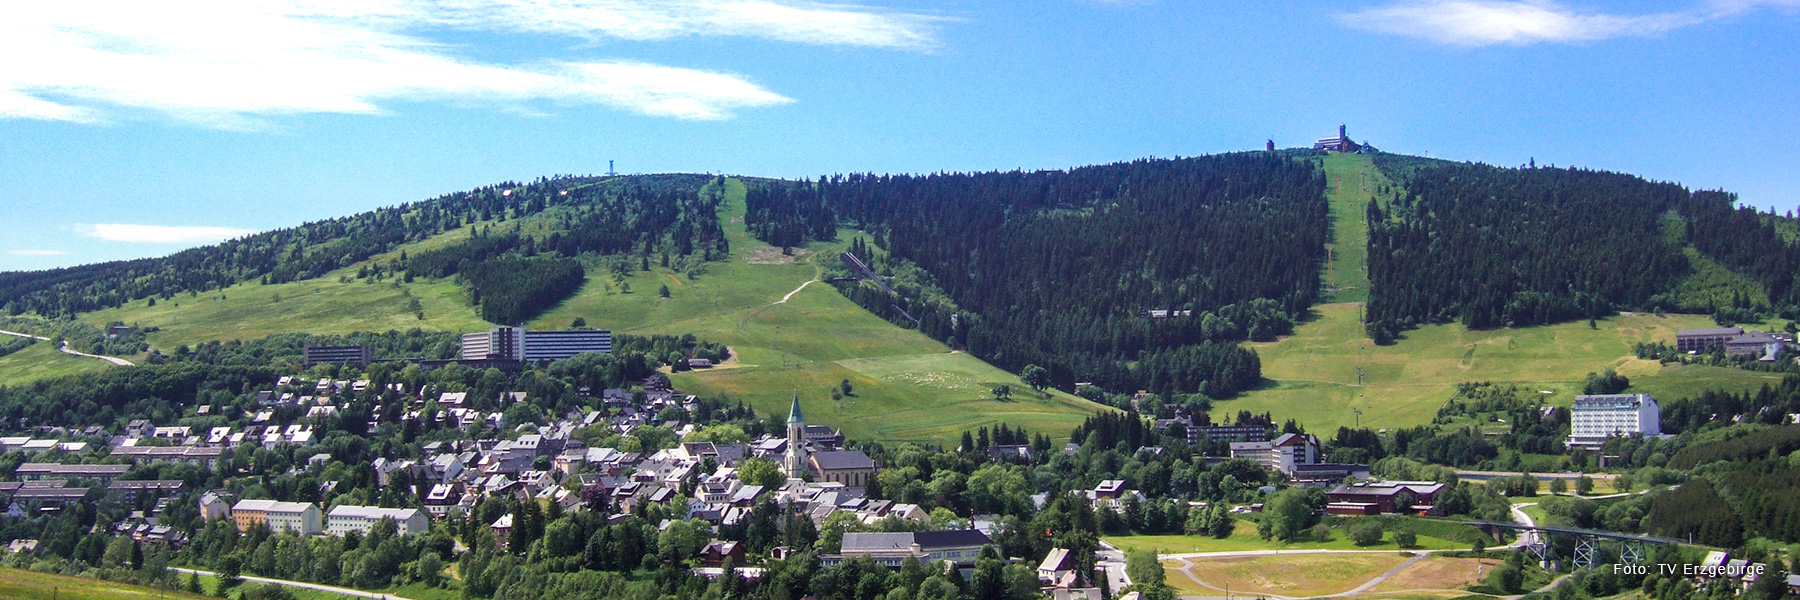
x: 795, y: 463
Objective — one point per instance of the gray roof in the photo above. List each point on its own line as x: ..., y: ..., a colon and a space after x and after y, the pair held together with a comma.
x: 1754, y: 337
x: 1710, y: 331
x: 876, y: 542
x: 844, y: 459
x: 1614, y: 401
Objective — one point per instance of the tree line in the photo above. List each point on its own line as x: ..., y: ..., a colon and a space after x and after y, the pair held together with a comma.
x: 1056, y: 268
x: 1493, y: 247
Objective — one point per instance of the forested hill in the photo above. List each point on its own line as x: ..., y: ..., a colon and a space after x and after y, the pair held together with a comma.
x: 641, y: 214
x: 1053, y: 268
x: 1492, y: 247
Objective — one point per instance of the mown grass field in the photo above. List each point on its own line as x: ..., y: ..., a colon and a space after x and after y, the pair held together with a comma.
x: 1437, y: 573
x: 1432, y: 535
x: 1315, y: 372
x: 1350, y: 181
x: 17, y: 584
x: 1299, y: 575
x: 43, y: 361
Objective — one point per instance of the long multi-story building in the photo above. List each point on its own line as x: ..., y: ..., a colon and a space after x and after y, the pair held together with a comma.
x: 544, y: 346
x: 1704, y: 340
x: 347, y: 518
x: 340, y: 355
x: 1593, y: 419
x: 1282, y: 454
x: 298, y: 517
x: 104, y: 473
x: 516, y: 344
x: 498, y: 343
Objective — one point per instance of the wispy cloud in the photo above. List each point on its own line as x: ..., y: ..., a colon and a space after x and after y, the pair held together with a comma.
x: 787, y: 21
x: 230, y: 63
x: 160, y: 234
x: 36, y: 252
x: 1522, y: 22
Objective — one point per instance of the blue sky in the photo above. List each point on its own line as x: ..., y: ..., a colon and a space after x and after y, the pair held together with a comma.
x: 132, y: 129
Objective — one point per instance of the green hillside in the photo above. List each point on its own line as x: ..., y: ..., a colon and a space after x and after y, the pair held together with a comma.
x: 1329, y: 369
x: 326, y: 304
x: 906, y: 386
x: 42, y: 361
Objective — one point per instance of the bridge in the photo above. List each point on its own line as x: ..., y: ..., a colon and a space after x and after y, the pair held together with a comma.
x: 1633, y: 549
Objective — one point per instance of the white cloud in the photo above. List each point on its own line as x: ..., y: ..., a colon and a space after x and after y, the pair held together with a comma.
x: 160, y: 234
x: 1522, y: 22
x: 36, y: 252
x: 226, y: 63
x: 788, y: 21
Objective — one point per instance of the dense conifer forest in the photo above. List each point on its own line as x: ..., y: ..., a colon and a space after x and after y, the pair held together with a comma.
x: 1498, y: 247
x: 1494, y: 247
x: 1054, y: 268
x: 1747, y: 242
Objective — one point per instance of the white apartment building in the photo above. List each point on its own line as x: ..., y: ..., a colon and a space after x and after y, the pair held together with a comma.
x: 1281, y: 453
x: 348, y: 518
x: 298, y: 517
x: 1594, y: 418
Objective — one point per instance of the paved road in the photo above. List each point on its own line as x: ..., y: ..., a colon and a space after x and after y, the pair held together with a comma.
x: 114, y: 360
x: 301, y: 584
x: 71, y: 351
x: 24, y: 335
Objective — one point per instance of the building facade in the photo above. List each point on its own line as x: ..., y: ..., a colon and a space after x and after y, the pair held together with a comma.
x: 498, y: 343
x: 1282, y: 453
x: 338, y: 355
x: 849, y: 467
x: 298, y: 517
x: 545, y: 346
x: 1704, y: 340
x: 347, y: 518
x: 1593, y: 419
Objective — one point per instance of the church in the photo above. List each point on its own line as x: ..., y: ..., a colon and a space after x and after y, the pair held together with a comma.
x: 852, y: 468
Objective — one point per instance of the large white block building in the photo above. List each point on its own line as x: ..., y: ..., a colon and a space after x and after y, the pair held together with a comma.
x: 1593, y: 419
x: 361, y: 519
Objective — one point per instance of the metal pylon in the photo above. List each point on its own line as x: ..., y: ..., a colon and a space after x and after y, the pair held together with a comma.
x: 1585, y: 549
x: 1631, y: 553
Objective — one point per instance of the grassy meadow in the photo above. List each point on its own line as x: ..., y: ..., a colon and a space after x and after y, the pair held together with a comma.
x: 43, y: 361
x: 19, y: 584
x: 1297, y: 576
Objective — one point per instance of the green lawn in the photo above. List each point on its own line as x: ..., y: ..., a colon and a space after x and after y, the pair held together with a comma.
x: 1314, y: 373
x: 17, y: 584
x: 43, y: 361
x: 1244, y: 538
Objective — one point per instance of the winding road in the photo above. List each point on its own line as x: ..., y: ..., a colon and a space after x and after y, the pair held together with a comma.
x: 71, y: 351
